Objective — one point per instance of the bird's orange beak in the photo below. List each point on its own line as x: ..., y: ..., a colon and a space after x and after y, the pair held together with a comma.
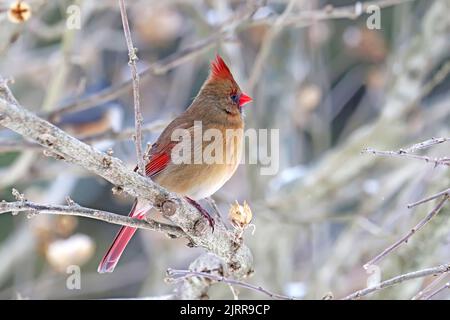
x: 244, y: 99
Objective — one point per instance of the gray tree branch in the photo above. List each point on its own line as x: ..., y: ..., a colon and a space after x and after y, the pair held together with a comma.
x: 135, y: 77
x: 399, y: 279
x: 76, y: 210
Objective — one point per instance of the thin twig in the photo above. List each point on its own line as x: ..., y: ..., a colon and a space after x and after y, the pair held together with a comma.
x: 425, y: 144
x: 406, y: 237
x: 138, y: 119
x: 418, y: 146
x: 399, y: 279
x: 434, y: 196
x: 437, y: 291
x: 76, y: 210
x: 422, y: 294
x: 187, y: 273
x: 436, y: 161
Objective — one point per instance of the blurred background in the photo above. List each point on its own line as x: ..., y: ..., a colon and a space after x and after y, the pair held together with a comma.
x: 317, y: 70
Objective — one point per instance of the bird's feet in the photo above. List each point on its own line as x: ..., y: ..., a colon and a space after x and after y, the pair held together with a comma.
x: 202, y: 211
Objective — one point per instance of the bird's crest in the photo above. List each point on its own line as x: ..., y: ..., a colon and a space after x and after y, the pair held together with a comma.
x: 219, y: 70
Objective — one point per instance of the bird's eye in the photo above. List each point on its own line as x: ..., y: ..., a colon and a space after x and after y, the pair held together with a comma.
x: 235, y: 98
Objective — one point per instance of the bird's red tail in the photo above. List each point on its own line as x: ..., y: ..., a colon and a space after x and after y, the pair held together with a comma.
x: 121, y: 240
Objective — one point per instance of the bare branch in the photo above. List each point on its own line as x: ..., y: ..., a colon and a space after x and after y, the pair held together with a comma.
x: 402, y: 154
x: 187, y: 274
x: 399, y: 279
x: 76, y: 210
x: 424, y: 293
x: 437, y: 291
x: 406, y: 237
x: 425, y: 144
x: 445, y: 194
x: 434, y: 196
x: 135, y: 77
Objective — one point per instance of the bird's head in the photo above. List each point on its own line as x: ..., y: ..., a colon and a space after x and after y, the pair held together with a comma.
x: 222, y: 90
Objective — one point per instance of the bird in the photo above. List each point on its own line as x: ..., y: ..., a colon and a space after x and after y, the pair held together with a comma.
x: 218, y: 105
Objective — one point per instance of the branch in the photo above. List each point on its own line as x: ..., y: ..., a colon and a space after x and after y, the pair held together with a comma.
x: 424, y: 145
x: 135, y: 78
x: 445, y: 194
x: 399, y: 279
x: 434, y: 196
x: 76, y: 210
x: 430, y: 288
x: 406, y: 153
x: 403, y: 154
x: 437, y: 291
x: 188, y: 274
x: 13, y: 116
x: 406, y: 237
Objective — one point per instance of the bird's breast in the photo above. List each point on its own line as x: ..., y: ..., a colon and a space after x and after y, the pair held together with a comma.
x: 214, y: 160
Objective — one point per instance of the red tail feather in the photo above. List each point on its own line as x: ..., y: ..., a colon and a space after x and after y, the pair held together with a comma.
x: 121, y: 240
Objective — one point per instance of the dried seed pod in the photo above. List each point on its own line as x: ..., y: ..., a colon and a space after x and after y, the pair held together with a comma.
x: 19, y: 11
x: 240, y: 216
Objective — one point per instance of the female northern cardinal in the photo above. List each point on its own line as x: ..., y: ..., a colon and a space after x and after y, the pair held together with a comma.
x: 218, y: 105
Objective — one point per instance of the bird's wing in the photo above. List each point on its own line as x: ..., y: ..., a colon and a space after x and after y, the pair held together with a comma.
x: 159, y: 160
x: 160, y: 152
